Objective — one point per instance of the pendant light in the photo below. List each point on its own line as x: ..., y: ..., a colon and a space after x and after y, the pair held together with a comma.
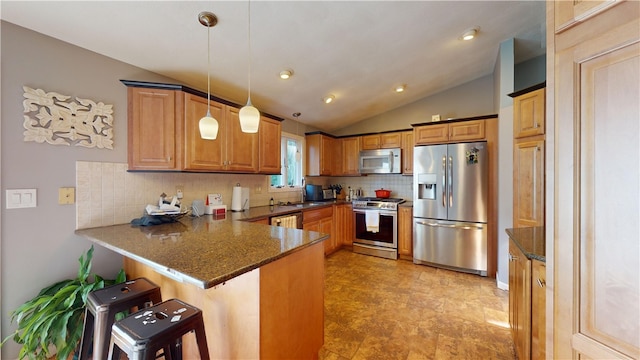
x: 208, y: 124
x: 249, y: 115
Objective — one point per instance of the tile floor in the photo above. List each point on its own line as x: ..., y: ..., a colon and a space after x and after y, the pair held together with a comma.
x: 384, y: 309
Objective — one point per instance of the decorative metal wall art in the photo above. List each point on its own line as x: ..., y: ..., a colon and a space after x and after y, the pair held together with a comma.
x: 50, y: 117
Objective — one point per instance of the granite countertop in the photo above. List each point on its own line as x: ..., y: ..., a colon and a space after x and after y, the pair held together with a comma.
x: 530, y: 240
x: 262, y: 212
x: 208, y: 250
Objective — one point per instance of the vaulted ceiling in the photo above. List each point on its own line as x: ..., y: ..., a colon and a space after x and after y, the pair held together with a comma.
x: 359, y: 51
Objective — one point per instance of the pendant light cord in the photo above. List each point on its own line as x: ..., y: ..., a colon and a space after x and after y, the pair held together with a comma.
x: 249, y: 30
x: 208, y: 71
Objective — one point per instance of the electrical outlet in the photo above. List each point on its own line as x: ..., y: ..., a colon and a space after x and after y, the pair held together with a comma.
x: 258, y: 189
x: 179, y: 191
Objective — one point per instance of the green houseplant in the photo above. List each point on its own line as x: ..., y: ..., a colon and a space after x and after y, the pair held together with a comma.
x: 54, y: 318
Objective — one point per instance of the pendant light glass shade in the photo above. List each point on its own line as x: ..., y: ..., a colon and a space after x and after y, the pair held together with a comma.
x: 249, y: 118
x: 249, y: 115
x: 208, y: 125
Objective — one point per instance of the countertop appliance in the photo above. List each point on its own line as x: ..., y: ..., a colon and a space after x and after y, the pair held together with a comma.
x: 376, y: 226
x: 380, y: 161
x: 450, y: 191
x: 313, y: 192
x: 328, y: 194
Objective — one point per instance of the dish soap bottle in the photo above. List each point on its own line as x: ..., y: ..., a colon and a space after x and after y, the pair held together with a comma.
x: 271, y: 202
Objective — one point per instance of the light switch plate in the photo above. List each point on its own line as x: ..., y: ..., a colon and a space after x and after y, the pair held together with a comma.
x: 21, y: 198
x: 66, y: 195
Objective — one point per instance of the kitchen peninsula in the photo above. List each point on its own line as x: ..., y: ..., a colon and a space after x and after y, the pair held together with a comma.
x: 260, y: 287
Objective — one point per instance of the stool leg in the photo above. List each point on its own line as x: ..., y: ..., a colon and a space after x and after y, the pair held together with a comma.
x: 201, y: 338
x: 87, y: 334
x: 101, y: 333
x: 114, y: 351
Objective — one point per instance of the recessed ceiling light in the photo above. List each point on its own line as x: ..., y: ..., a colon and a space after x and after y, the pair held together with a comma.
x: 400, y: 88
x: 470, y: 34
x: 285, y: 74
x: 328, y: 99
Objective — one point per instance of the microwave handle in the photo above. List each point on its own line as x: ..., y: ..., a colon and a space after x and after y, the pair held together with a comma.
x: 390, y: 160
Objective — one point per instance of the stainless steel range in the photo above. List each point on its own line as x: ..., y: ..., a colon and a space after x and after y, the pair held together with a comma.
x: 376, y: 226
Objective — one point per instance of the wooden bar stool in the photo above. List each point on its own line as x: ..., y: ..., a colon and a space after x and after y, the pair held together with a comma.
x: 142, y: 334
x: 102, y: 307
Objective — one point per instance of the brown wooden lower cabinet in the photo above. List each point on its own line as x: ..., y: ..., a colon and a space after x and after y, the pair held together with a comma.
x: 527, y: 304
x: 274, y: 312
x: 538, y: 309
x: 321, y: 220
x: 344, y: 221
x: 405, y: 232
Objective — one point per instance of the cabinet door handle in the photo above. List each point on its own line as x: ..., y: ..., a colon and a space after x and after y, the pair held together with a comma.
x: 512, y: 258
x: 541, y: 282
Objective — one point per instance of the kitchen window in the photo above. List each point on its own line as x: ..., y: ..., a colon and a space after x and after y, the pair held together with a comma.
x: 292, y: 161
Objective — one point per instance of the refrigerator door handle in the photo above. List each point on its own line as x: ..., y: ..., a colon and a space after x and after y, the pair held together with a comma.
x: 444, y: 181
x: 452, y: 226
x: 450, y: 181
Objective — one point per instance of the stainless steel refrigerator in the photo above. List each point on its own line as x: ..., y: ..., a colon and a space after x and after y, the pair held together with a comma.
x: 450, y: 185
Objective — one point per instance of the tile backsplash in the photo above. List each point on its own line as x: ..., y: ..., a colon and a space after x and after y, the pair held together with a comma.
x: 106, y: 194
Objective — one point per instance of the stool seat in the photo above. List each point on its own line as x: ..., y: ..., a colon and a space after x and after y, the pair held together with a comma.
x: 103, y: 305
x: 142, y: 334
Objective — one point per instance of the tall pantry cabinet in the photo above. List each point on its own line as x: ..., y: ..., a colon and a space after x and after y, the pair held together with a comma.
x: 528, y: 157
x: 593, y: 252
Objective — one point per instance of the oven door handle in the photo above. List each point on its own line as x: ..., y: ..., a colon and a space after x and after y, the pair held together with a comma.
x: 381, y: 212
x: 451, y: 226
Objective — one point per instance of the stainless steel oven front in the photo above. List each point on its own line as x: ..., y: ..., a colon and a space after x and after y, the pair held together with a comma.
x: 382, y: 243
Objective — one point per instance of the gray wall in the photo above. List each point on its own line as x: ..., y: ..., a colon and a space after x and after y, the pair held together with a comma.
x: 470, y: 99
x: 530, y: 72
x: 38, y: 244
x: 505, y: 75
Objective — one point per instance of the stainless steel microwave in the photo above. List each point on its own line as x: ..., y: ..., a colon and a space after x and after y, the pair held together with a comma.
x: 380, y: 161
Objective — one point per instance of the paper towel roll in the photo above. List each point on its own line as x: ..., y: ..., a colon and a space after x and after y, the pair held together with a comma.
x: 239, y: 198
x: 236, y: 199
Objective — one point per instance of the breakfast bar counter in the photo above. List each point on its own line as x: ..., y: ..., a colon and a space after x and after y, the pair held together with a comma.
x: 260, y: 287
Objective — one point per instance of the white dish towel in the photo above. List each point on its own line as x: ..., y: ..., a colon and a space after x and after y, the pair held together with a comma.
x: 372, y: 221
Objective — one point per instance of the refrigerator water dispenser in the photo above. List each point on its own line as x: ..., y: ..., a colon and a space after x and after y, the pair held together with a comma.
x: 427, y: 186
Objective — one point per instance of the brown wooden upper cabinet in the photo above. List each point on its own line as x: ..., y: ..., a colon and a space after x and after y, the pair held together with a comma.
x: 382, y: 141
x: 449, y: 132
x: 407, y: 152
x: 269, y: 154
x: 232, y: 150
x: 350, y: 155
x: 319, y: 155
x: 163, y: 135
x: 154, y: 137
x: 528, y: 114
